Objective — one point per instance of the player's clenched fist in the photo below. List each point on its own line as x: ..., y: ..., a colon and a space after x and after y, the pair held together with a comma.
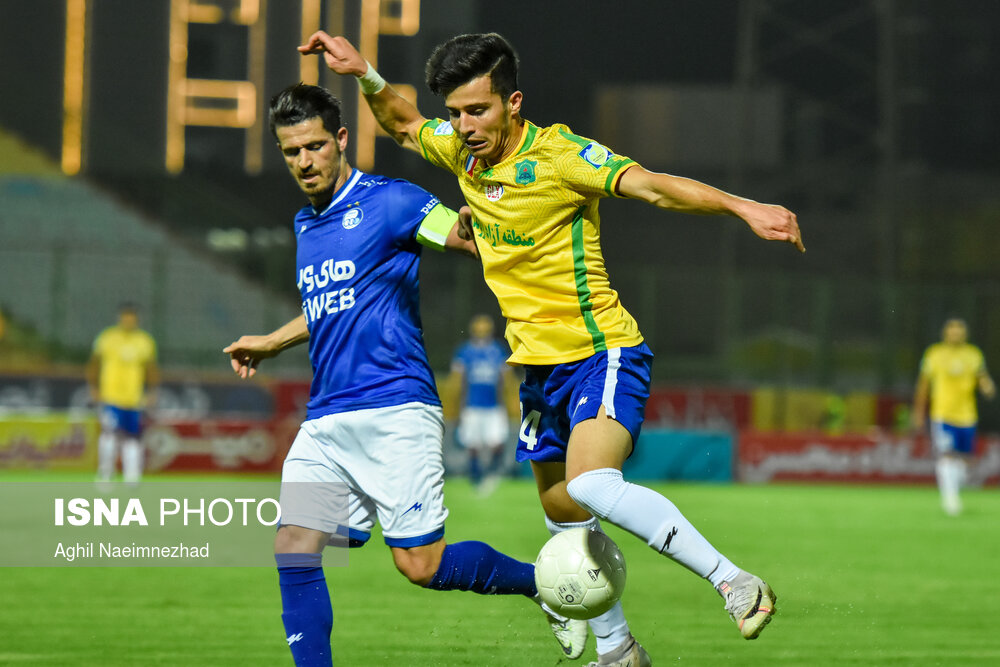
x: 339, y: 54
x: 465, y: 231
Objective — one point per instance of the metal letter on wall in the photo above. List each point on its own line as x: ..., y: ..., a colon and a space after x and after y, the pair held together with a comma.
x: 215, y: 102
x: 74, y: 85
x: 381, y: 17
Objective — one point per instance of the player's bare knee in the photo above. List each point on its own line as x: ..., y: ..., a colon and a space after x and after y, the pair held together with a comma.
x: 419, y: 573
x: 418, y: 564
x: 418, y: 570
x: 296, y: 539
x: 560, y: 507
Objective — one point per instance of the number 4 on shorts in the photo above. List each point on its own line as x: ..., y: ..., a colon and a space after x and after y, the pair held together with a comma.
x: 529, y: 428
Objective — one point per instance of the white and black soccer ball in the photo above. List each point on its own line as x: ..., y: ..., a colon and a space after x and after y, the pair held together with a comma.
x: 580, y: 573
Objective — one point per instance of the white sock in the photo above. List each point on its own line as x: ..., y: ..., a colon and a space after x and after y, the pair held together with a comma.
x: 132, y: 461
x: 610, y: 628
x: 106, y: 455
x: 961, y: 473
x: 650, y: 516
x: 947, y: 480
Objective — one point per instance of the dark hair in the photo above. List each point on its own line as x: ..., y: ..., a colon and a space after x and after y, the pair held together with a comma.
x: 300, y: 102
x: 128, y: 307
x: 466, y: 57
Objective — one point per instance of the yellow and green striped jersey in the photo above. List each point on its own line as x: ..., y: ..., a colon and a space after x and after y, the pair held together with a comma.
x: 953, y: 371
x: 538, y: 234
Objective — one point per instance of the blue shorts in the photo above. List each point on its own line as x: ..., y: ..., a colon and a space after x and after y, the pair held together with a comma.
x: 120, y: 419
x: 949, y: 439
x: 554, y: 399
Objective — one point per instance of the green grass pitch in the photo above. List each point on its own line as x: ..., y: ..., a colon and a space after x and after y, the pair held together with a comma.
x: 864, y: 576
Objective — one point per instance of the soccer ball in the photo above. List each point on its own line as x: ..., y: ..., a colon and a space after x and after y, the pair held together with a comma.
x: 580, y: 573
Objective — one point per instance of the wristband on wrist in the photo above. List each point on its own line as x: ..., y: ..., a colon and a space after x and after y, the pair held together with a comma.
x: 371, y: 82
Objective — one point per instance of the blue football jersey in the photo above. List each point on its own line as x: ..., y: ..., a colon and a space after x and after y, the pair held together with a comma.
x: 483, y: 363
x: 357, y: 274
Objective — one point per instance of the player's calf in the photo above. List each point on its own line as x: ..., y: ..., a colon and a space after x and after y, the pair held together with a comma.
x: 306, y: 611
x: 419, y: 564
x: 478, y: 567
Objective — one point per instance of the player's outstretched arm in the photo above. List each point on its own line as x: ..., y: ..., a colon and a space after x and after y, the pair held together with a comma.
x: 246, y: 353
x: 395, y: 114
x: 768, y: 221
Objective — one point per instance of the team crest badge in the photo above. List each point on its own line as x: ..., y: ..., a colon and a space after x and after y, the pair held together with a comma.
x: 352, y: 218
x: 525, y: 170
x: 494, y: 191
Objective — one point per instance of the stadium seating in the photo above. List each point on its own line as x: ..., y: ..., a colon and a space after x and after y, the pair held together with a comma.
x: 72, y: 253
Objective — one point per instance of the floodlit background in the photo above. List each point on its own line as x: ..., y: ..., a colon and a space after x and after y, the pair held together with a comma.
x: 135, y: 165
x: 873, y: 120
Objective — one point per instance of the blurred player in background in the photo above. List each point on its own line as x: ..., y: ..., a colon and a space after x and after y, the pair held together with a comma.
x: 374, y: 420
x: 123, y: 376
x: 950, y: 372
x: 534, y: 193
x: 480, y: 372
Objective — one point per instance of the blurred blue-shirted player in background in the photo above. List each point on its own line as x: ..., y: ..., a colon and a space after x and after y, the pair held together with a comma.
x: 374, y: 423
x: 480, y: 368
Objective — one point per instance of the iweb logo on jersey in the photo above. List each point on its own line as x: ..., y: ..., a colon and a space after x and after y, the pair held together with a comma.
x: 313, y: 277
x: 353, y: 218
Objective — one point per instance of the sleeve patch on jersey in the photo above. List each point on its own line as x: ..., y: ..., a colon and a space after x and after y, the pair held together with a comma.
x: 433, y: 231
x: 595, y: 154
x: 444, y: 128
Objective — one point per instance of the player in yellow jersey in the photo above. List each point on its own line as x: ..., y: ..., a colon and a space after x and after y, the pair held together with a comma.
x: 123, y: 376
x: 534, y: 194
x: 950, y: 372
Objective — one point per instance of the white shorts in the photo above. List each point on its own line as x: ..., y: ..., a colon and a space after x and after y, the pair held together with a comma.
x: 391, y: 463
x: 479, y: 428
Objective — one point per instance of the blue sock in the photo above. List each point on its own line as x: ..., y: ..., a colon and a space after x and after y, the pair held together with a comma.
x: 306, y: 610
x: 478, y: 567
x: 496, y: 463
x: 475, y: 471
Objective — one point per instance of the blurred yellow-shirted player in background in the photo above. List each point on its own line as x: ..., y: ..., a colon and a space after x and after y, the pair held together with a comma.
x: 950, y: 372
x: 122, y: 375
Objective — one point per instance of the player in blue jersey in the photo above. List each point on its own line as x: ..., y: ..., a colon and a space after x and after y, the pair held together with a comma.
x: 373, y: 421
x: 479, y: 368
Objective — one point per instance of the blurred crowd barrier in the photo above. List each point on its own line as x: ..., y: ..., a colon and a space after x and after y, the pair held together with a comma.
x: 691, y: 433
x: 48, y: 423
